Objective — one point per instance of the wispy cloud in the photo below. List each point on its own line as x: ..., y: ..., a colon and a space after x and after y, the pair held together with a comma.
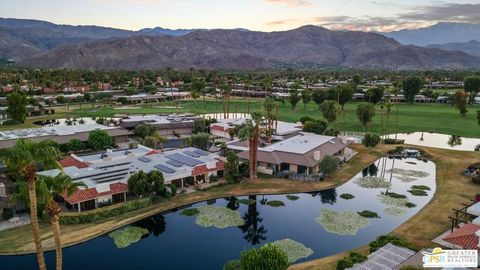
x: 290, y: 3
x: 415, y: 17
x: 469, y: 13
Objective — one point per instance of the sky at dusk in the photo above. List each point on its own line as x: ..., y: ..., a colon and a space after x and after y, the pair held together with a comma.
x: 261, y: 15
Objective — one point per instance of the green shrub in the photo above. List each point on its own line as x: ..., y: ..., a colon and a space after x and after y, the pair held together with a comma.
x: 104, y: 203
x: 347, y: 196
x: 173, y: 189
x: 268, y: 257
x: 370, y: 139
x: 7, y: 213
x: 350, y: 260
x: 105, y: 212
x: 393, y: 141
x: 329, y: 164
x: 382, y: 240
x: 232, y: 265
x: 368, y: 214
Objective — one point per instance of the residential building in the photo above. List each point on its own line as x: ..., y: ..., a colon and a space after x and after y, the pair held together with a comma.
x: 61, y: 134
x: 106, y: 174
x: 301, y: 153
x: 223, y: 127
x: 167, y: 125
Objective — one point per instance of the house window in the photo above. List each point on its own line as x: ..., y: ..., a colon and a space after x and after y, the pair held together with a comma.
x: 301, y: 169
x: 87, y: 205
x: 118, y: 198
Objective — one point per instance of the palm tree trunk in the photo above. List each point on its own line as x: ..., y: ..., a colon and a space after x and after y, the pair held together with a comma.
x: 30, y: 173
x: 251, y: 159
x: 58, y: 241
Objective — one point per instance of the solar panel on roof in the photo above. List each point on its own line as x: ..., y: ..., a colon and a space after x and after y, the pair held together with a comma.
x: 190, y: 153
x: 201, y: 152
x: 144, y: 159
x: 174, y: 163
x: 164, y: 168
x: 184, y: 159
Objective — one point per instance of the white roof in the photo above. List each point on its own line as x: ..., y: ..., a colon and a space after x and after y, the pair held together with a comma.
x: 283, y: 128
x: 299, y: 144
x: 50, y: 130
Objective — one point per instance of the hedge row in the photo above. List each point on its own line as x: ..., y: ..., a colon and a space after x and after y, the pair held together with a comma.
x: 393, y: 141
x: 104, y: 212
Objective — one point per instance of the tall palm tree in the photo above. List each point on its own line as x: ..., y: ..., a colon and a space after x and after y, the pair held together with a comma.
x: 157, y: 140
x: 251, y: 132
x: 50, y: 188
x: 28, y: 157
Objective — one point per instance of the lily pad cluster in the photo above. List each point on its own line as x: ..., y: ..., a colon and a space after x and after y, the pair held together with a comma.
x: 368, y: 214
x: 218, y: 216
x: 125, y: 237
x: 372, y: 182
x: 342, y: 223
x: 294, y: 250
x: 275, y: 203
x: 293, y: 197
x: 246, y: 201
x: 409, y: 173
x: 347, y: 196
x: 398, y: 204
x: 395, y: 211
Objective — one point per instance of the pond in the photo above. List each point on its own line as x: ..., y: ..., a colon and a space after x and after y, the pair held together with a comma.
x: 61, y: 122
x: 325, y: 222
x: 438, y: 140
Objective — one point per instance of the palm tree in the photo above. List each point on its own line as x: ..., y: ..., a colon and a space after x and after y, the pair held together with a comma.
x: 28, y: 157
x: 157, y: 140
x: 49, y: 189
x: 251, y: 132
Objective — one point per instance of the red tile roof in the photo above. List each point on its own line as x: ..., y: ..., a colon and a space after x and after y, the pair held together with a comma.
x: 154, y: 152
x: 202, y: 169
x: 464, y: 236
x: 70, y: 161
x: 217, y: 127
x: 82, y: 195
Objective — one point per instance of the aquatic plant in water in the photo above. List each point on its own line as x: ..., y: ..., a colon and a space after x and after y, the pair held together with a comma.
x: 190, y: 212
x: 293, y: 197
x: 246, y: 201
x: 295, y: 250
x: 347, y: 196
x: 368, y: 214
x: 395, y: 211
x: 398, y: 202
x: 406, y: 179
x: 218, y: 216
x: 417, y: 192
x: 410, y: 173
x: 125, y: 237
x: 396, y: 195
x: 372, y: 182
x: 342, y: 223
x: 420, y: 187
x: 275, y: 203
x: 410, y: 205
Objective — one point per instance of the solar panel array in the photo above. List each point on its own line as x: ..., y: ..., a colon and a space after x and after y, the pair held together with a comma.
x: 144, y: 159
x: 164, y: 168
x: 184, y: 159
x: 190, y: 153
x: 201, y: 152
x: 174, y: 163
x: 386, y: 258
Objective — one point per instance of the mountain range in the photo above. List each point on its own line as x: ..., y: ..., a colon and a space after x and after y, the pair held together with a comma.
x: 439, y: 33
x: 42, y: 44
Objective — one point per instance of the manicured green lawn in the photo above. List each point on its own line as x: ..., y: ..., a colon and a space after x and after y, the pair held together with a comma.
x: 441, y: 118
